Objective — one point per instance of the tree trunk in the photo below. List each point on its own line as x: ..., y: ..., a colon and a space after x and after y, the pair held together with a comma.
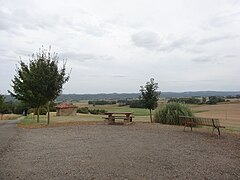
x: 48, y: 113
x: 38, y: 114
x: 150, y: 115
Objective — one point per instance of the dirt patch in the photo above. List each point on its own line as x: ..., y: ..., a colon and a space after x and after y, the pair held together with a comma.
x: 138, y: 151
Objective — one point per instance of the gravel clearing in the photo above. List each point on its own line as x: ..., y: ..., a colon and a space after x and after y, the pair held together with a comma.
x: 137, y: 151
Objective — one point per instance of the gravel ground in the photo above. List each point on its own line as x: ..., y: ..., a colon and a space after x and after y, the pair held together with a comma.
x: 137, y: 151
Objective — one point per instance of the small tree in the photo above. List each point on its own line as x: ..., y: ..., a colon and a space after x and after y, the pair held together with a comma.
x: 40, y: 81
x: 150, y: 96
x: 52, y: 77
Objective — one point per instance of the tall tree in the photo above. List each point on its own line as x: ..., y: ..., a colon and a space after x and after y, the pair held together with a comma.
x: 40, y: 81
x: 25, y: 87
x: 52, y: 76
x: 149, y: 95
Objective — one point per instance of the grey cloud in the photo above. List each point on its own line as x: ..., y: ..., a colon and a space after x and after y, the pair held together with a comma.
x: 204, y: 59
x: 149, y: 40
x: 91, y: 29
x: 224, y: 19
x: 119, y: 76
x: 230, y: 56
x: 87, y: 23
x: 14, y: 20
x: 181, y: 43
x: 152, y: 41
x: 215, y: 39
x: 85, y: 57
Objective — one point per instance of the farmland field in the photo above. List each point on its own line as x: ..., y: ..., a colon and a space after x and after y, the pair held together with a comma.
x: 228, y: 114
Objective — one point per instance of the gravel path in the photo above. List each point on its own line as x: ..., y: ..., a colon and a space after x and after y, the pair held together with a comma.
x: 138, y: 151
x: 8, y: 131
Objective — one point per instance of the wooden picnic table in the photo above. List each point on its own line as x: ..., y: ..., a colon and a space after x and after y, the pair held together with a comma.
x: 111, y: 116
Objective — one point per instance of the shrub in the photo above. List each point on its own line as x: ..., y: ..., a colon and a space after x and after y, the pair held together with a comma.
x: 42, y: 111
x: 169, y: 113
x: 215, y: 100
x: 102, y: 102
x: 136, y: 104
x: 83, y: 110
x: 97, y: 111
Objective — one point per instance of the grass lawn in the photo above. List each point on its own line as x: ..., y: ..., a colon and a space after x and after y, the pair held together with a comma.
x: 116, y: 108
x: 29, y: 121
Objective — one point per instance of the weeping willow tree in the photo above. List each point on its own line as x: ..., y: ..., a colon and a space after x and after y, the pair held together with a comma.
x: 170, y: 112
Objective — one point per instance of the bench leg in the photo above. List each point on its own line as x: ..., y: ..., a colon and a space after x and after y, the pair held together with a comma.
x: 213, y: 130
x: 217, y: 129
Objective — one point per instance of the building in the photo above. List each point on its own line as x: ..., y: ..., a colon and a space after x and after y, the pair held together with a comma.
x: 66, y: 109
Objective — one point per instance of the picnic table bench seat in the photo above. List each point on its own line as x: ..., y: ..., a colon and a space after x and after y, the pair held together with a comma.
x: 189, y: 121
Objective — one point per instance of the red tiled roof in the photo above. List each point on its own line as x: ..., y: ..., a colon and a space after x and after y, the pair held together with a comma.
x: 65, y: 105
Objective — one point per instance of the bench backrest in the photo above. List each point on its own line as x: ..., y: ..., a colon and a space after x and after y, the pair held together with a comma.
x: 200, y: 121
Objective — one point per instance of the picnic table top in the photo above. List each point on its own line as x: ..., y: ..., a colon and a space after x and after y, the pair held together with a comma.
x: 118, y: 113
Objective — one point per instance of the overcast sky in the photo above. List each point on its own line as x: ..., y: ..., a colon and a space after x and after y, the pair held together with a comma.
x: 118, y: 45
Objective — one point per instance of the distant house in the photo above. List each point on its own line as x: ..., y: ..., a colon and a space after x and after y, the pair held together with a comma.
x: 66, y: 109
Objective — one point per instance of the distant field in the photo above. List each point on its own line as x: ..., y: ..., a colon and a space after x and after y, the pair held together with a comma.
x: 228, y: 114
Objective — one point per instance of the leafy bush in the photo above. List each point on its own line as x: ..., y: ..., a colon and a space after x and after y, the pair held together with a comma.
x: 42, y: 111
x: 136, y: 104
x: 52, y: 107
x: 102, y: 102
x: 215, y: 100
x: 97, y: 111
x: 191, y: 100
x: 169, y: 113
x: 83, y: 110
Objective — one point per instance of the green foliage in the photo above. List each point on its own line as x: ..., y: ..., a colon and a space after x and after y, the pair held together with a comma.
x: 42, y: 111
x: 52, y: 106
x: 191, y: 100
x: 170, y: 112
x: 2, y: 98
x: 132, y: 103
x: 150, y: 96
x: 97, y: 111
x: 136, y: 104
x: 40, y: 81
x: 10, y: 107
x: 83, y: 110
x: 102, y: 102
x: 215, y: 100
x: 86, y: 110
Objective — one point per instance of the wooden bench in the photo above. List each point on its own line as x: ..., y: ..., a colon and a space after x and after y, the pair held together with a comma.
x: 191, y: 122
